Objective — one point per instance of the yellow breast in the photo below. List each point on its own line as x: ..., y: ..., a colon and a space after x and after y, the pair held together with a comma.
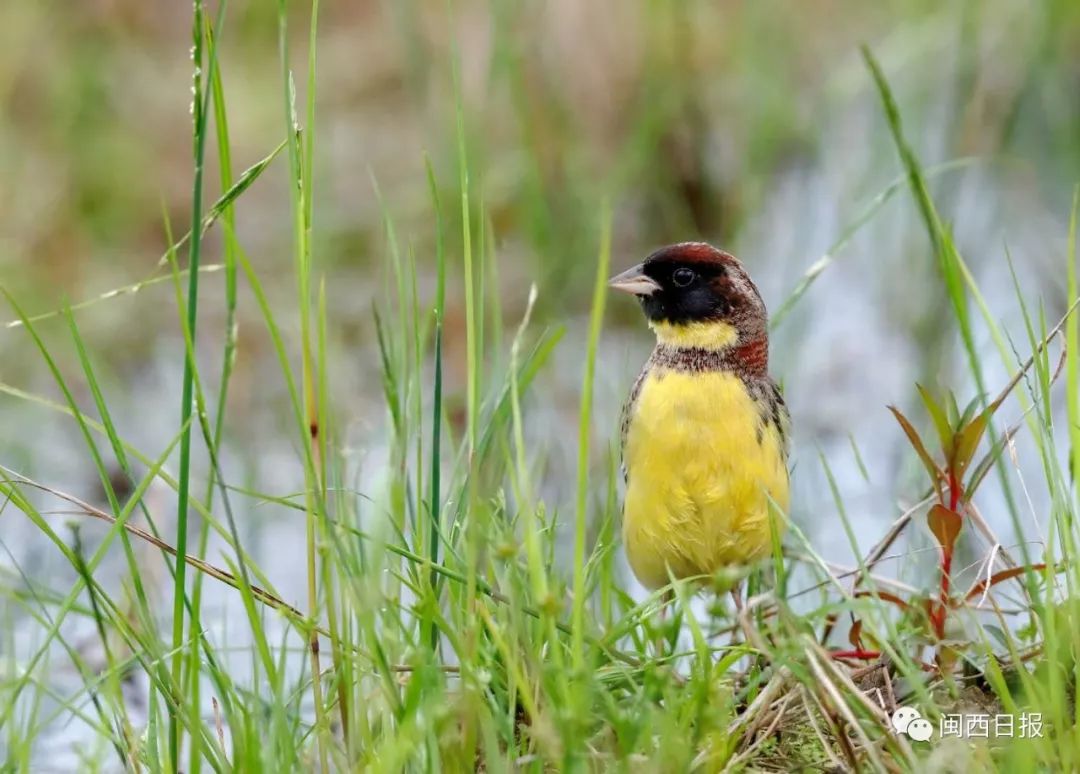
x: 703, y: 464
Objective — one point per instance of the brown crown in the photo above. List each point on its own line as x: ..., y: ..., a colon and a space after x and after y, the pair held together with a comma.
x: 693, y: 252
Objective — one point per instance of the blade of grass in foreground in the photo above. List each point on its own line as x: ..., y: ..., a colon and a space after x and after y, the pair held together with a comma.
x: 228, y: 215
x: 584, y: 431
x: 301, y: 187
x: 1072, y: 364
x: 7, y: 488
x: 106, y: 484
x: 199, y: 105
x: 474, y: 510
x: 435, y: 474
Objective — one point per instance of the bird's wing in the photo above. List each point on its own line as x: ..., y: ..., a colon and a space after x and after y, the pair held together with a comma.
x: 780, y: 417
x: 628, y: 414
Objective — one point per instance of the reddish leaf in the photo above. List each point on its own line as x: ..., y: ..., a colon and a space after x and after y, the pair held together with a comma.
x: 916, y: 443
x: 855, y: 634
x: 928, y: 607
x: 1004, y: 575
x: 885, y: 595
x: 945, y: 524
x: 967, y: 441
x: 858, y: 654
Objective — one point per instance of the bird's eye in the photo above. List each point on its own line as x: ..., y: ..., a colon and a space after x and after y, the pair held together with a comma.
x: 683, y: 277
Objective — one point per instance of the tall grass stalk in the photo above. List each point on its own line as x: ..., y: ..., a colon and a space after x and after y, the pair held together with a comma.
x: 199, y: 110
x: 581, y: 521
x: 301, y: 187
x: 228, y: 216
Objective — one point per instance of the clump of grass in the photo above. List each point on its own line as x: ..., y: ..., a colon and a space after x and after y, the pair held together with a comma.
x: 438, y: 631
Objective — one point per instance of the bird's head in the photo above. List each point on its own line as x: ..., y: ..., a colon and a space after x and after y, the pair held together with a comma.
x: 696, y: 296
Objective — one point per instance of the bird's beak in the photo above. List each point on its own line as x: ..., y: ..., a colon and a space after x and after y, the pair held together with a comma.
x: 634, y: 281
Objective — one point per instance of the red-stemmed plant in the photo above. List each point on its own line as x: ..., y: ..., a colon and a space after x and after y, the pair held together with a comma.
x: 954, y: 481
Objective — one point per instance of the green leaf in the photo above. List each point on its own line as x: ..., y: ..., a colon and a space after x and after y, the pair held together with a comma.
x: 952, y: 410
x: 979, y: 472
x: 969, y: 411
x: 997, y: 633
x: 941, y: 423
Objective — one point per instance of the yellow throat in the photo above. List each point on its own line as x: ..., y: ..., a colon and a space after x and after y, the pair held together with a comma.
x: 699, y: 335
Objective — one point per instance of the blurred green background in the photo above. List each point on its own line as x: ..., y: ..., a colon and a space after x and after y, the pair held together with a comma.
x: 691, y: 116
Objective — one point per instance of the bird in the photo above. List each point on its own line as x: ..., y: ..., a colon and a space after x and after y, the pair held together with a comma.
x: 704, y: 431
